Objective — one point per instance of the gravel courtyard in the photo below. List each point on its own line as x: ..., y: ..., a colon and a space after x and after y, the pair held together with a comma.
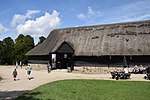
x: 10, y: 89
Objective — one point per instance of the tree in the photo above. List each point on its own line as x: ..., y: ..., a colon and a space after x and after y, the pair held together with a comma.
x: 19, y: 39
x: 41, y: 39
x: 1, y: 47
x: 29, y: 42
x: 22, y: 45
x: 6, y: 48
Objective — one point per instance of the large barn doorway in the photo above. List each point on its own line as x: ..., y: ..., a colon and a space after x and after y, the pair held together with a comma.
x: 64, y: 60
x: 64, y: 56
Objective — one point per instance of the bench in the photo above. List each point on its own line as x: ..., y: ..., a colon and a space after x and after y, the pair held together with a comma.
x: 120, y: 75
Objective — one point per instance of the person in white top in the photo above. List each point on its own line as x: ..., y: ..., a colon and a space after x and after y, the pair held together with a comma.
x: 136, y: 69
x: 16, y: 64
x: 141, y: 69
x: 125, y: 70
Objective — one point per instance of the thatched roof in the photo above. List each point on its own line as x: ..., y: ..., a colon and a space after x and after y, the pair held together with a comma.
x: 131, y: 38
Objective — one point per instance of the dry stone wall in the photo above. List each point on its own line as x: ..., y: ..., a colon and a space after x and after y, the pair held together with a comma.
x: 39, y: 66
x: 97, y: 70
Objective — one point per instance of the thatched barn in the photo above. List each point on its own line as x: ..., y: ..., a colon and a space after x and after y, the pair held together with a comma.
x: 99, y: 45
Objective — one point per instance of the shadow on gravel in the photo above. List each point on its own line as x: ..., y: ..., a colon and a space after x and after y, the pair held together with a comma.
x: 10, y: 95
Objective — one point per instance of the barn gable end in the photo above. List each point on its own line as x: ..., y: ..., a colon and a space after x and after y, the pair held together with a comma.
x: 65, y: 48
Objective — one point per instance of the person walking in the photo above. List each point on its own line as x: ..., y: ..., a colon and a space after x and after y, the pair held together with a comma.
x: 49, y: 68
x: 16, y: 64
x: 29, y: 68
x: 20, y: 64
x: 14, y: 74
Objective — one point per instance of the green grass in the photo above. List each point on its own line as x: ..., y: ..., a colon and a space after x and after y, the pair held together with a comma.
x: 90, y: 90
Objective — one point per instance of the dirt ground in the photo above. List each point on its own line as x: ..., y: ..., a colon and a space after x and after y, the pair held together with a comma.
x: 10, y: 89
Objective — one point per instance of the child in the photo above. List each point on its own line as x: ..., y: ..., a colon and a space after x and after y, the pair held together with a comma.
x: 14, y: 74
x: 29, y: 71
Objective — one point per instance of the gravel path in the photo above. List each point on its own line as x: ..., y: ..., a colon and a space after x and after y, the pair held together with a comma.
x: 10, y: 89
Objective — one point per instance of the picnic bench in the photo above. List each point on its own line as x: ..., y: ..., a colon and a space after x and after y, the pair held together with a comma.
x: 120, y: 75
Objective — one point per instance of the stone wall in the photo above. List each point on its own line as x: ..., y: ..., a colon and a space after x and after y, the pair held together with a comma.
x: 97, y: 70
x: 83, y: 69
x: 39, y: 66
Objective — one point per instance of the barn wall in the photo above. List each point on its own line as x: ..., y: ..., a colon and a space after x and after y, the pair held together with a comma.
x: 38, y: 59
x: 38, y: 66
x: 94, y: 61
x: 38, y: 62
x: 111, y: 61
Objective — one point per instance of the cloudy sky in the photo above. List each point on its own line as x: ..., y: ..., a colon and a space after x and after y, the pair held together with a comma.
x: 39, y: 17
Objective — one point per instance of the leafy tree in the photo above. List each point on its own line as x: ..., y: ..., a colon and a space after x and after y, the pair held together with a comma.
x: 41, y: 39
x: 22, y: 45
x: 6, y: 48
x: 1, y: 47
x: 19, y: 39
x: 29, y: 41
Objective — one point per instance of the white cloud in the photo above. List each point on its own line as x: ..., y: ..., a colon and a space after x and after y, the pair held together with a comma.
x: 135, y: 11
x: 90, y: 11
x: 40, y: 26
x: 31, y: 12
x: 19, y: 19
x: 127, y: 12
x: 2, y: 29
x: 136, y: 18
x: 81, y: 16
x: 90, y: 16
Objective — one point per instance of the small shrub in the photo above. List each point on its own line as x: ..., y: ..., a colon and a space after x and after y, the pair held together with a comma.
x: 0, y: 78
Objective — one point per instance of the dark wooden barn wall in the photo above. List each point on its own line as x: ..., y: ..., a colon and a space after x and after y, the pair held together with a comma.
x: 38, y: 59
x: 116, y: 61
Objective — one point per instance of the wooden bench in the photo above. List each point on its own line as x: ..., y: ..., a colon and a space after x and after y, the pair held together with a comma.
x: 120, y: 75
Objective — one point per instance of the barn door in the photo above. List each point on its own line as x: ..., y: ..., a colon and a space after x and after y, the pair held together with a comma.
x: 64, y: 56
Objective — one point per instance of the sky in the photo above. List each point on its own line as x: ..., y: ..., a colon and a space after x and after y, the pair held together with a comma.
x: 39, y: 17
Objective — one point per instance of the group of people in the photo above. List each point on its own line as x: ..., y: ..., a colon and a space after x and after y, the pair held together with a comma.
x: 138, y: 69
x: 125, y: 74
x: 15, y: 73
x: 19, y: 64
x: 29, y: 69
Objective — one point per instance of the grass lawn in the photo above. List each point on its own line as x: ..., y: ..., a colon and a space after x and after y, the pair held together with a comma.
x: 90, y: 90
